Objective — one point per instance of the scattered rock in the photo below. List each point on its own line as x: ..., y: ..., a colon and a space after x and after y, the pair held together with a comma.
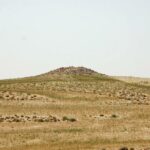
x: 34, y: 118
x: 6, y: 95
x: 22, y: 118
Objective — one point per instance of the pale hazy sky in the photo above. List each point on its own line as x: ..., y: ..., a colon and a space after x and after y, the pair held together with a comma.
x: 109, y: 36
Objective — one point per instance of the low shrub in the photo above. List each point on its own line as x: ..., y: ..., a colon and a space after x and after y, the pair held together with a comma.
x: 114, y: 116
x: 123, y: 148
x: 65, y: 118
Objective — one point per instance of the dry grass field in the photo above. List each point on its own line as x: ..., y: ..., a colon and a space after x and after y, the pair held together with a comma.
x: 137, y: 80
x: 74, y: 109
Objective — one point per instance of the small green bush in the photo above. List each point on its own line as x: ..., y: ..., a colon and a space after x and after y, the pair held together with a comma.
x: 123, y: 148
x: 72, y: 120
x: 65, y: 118
x: 114, y: 116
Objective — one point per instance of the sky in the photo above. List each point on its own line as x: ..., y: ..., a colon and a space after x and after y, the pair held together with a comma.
x: 108, y: 36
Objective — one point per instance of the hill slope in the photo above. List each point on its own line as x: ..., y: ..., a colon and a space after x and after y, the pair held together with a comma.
x: 73, y: 108
x: 77, y: 80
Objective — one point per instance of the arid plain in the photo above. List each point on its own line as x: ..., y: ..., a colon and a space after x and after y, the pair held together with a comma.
x: 74, y: 108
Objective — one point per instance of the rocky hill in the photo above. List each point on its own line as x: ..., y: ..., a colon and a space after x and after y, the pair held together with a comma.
x: 65, y: 71
x: 73, y: 71
x: 78, y: 80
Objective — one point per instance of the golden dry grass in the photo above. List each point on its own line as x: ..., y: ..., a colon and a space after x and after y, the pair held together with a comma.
x: 104, y: 119
x: 138, y: 80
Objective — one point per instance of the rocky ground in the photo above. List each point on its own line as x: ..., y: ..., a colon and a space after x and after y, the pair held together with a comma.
x: 7, y: 95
